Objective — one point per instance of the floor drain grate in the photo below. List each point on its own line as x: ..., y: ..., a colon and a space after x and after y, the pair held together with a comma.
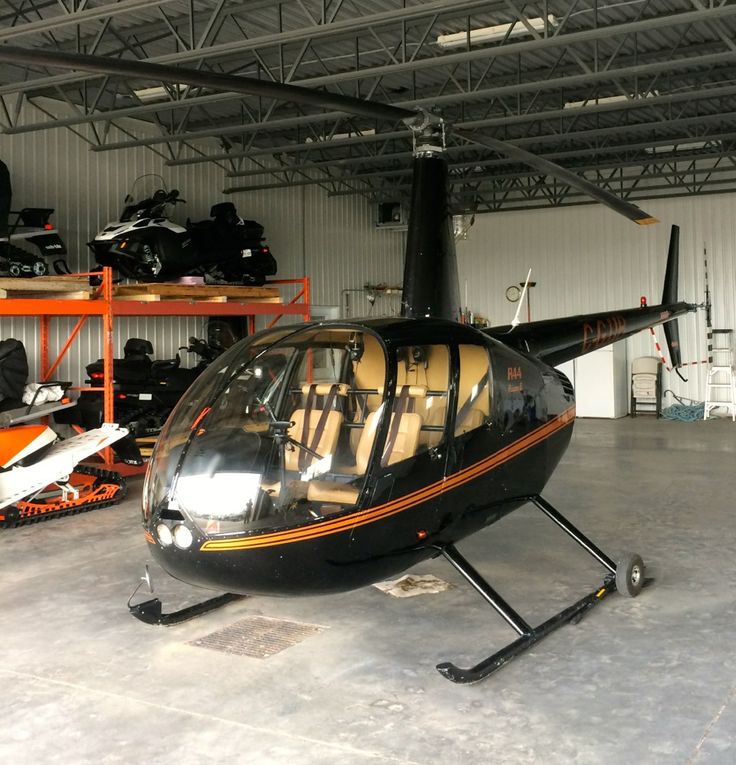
x: 257, y: 636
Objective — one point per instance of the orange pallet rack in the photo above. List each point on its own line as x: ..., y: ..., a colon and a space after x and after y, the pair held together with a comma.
x: 103, y: 304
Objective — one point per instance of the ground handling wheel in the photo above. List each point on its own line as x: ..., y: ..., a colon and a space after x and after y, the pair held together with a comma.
x: 630, y: 575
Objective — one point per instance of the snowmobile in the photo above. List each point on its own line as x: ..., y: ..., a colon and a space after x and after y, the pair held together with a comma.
x: 40, y: 476
x: 144, y: 244
x: 30, y: 225
x: 145, y: 391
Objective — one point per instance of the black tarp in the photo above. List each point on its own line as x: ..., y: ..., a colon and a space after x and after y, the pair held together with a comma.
x: 13, y: 373
x: 5, y: 197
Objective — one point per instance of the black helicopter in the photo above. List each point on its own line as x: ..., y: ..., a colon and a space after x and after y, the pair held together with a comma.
x: 327, y: 456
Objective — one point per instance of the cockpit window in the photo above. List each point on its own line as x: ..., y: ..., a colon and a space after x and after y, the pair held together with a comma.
x: 269, y: 440
x: 475, y: 389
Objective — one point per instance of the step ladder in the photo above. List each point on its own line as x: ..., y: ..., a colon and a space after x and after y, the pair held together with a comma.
x: 720, y: 383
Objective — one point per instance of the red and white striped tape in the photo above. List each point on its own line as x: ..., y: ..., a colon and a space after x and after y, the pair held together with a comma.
x: 664, y: 361
x: 659, y: 349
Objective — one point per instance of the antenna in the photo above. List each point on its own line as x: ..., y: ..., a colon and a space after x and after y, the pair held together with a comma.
x: 708, y: 317
x: 516, y: 321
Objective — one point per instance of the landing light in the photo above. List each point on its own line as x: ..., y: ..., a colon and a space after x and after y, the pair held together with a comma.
x: 163, y: 532
x: 182, y: 537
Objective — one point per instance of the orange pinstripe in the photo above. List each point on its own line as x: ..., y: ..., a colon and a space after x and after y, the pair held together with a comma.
x: 371, y: 515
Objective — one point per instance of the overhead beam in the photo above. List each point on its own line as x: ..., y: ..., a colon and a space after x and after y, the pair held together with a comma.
x: 286, y: 148
x: 578, y: 135
x: 565, y: 39
x: 636, y: 70
x: 462, y: 181
x: 53, y: 23
x: 238, y: 47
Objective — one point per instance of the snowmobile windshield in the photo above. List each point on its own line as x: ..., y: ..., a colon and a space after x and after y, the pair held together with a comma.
x: 275, y: 436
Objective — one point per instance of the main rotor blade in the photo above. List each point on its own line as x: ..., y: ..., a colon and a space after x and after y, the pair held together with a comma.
x: 220, y: 82
x: 627, y: 209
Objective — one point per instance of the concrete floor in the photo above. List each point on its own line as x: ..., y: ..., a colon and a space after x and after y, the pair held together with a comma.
x: 650, y: 680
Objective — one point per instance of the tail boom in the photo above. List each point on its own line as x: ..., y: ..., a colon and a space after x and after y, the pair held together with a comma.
x: 555, y: 341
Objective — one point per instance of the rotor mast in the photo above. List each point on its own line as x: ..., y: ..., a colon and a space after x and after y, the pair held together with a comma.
x: 431, y: 285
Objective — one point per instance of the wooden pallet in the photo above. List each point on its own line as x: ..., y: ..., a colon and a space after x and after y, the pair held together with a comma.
x: 211, y: 293
x: 48, y: 287
x: 146, y: 444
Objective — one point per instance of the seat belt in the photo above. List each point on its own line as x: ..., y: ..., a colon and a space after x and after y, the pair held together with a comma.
x: 320, y: 429
x: 309, y: 403
x: 464, y: 410
x: 402, y: 405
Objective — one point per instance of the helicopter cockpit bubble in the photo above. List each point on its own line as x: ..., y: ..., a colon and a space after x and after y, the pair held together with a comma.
x: 262, y: 439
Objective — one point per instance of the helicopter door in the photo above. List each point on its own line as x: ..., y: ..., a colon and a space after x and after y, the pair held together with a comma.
x: 473, y: 432
x: 413, y: 456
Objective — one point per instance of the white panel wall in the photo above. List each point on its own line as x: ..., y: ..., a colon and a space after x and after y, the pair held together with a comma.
x: 588, y: 259
x: 333, y: 241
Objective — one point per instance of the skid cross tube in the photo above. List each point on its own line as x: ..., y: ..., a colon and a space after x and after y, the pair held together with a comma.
x: 573, y: 532
x: 528, y: 635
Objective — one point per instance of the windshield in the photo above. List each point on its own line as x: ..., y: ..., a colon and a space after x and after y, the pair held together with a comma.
x: 273, y: 433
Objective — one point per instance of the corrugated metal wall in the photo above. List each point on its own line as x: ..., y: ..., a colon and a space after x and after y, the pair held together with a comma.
x: 333, y: 241
x: 589, y: 259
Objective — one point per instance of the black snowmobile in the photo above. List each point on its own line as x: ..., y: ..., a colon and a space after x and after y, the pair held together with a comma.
x: 147, y: 246
x: 30, y: 226
x: 145, y: 391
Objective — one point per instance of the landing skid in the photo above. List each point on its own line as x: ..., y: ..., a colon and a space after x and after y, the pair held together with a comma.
x: 627, y: 577
x: 151, y: 611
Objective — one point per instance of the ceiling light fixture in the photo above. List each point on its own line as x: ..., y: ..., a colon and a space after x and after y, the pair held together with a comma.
x: 608, y: 100
x: 681, y: 147
x: 491, y: 34
x: 159, y: 92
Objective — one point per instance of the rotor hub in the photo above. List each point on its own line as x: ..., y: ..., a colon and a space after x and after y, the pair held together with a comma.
x: 428, y: 134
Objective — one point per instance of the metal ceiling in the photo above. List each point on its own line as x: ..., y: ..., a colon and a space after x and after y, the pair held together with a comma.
x: 638, y: 96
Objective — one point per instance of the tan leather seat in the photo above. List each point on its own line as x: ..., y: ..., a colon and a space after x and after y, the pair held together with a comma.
x: 401, y: 443
x: 472, y: 420
x: 328, y: 421
x: 407, y: 438
x: 405, y: 443
x: 435, y: 416
x: 474, y: 389
x: 332, y: 491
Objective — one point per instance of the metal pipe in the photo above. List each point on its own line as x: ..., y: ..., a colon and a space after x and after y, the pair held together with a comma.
x: 453, y: 556
x: 573, y: 532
